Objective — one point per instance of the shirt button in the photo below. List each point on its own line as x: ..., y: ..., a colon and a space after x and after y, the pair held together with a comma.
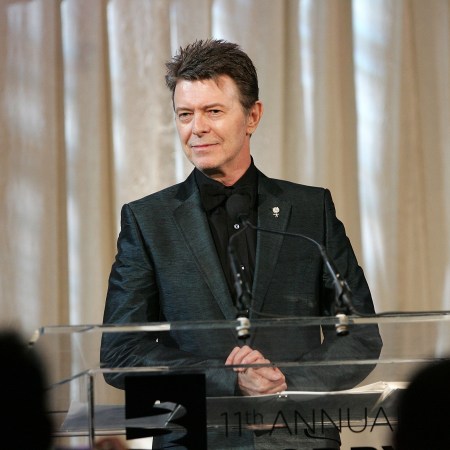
x: 236, y: 226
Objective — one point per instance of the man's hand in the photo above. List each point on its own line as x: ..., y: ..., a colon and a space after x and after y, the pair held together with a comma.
x: 255, y: 381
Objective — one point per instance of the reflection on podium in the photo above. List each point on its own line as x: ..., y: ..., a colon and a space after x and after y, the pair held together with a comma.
x: 343, y: 400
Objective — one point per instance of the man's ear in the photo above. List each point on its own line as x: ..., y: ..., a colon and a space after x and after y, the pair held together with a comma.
x: 254, y: 116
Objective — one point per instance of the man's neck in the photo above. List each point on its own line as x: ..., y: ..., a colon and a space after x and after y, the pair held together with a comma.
x: 230, y: 177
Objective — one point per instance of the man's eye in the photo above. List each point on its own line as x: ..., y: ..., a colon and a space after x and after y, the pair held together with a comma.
x: 184, y: 116
x: 215, y: 112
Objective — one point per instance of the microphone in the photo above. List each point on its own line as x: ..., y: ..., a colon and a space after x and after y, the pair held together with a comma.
x: 343, y: 294
x: 243, y: 295
x: 235, y: 204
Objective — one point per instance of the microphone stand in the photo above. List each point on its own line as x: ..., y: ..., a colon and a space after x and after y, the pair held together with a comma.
x: 243, y: 293
x: 343, y: 294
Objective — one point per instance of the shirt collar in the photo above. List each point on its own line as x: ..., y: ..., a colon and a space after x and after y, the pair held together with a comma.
x: 211, y: 188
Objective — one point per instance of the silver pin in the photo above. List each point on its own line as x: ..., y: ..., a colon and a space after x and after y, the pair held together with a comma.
x: 276, y: 211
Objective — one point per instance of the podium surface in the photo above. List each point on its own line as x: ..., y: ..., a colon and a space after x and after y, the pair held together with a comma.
x: 336, y: 392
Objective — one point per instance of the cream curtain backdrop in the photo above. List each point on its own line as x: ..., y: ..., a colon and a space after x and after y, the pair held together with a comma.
x: 357, y: 99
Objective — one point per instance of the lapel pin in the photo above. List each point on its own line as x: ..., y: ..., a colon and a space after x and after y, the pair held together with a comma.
x: 276, y: 211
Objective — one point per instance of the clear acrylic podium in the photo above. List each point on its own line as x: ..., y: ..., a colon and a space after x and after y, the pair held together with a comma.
x: 359, y: 406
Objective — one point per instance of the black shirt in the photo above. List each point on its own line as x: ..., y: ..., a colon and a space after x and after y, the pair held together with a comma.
x: 224, y: 223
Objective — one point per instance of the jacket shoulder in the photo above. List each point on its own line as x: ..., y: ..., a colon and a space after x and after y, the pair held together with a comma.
x: 168, y: 196
x: 292, y: 190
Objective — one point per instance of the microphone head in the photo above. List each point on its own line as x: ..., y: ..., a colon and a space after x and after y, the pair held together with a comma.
x: 238, y: 206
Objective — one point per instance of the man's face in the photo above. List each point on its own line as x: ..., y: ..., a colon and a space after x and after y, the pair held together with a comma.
x: 213, y: 127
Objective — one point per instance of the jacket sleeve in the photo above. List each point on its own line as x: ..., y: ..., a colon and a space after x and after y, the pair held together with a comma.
x: 133, y: 298
x: 363, y: 341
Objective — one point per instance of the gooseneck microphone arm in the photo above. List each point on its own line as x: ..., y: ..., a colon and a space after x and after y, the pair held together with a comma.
x: 243, y: 294
x: 235, y: 204
x: 343, y: 294
x: 242, y: 290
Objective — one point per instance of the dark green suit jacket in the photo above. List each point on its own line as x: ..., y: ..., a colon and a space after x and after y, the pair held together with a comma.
x: 167, y: 269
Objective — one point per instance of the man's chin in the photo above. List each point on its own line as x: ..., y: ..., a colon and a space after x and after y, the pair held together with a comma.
x: 209, y: 168
x: 209, y: 171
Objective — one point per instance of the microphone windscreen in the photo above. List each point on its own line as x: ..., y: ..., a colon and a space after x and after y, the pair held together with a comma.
x: 238, y: 206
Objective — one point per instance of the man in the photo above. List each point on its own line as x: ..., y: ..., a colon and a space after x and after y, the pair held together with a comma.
x: 172, y: 262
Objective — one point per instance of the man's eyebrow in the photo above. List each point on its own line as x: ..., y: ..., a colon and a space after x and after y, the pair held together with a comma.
x: 208, y: 106
x: 214, y: 105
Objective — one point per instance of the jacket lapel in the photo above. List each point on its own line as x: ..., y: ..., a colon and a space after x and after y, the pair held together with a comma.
x: 193, y: 224
x: 273, y: 214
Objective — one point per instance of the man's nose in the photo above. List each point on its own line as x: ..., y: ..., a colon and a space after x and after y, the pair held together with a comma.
x: 200, y: 124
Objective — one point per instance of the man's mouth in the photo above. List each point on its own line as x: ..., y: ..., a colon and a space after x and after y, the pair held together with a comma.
x: 202, y: 145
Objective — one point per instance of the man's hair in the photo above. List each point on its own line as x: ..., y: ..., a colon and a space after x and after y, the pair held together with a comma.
x: 211, y: 58
x: 24, y: 420
x: 423, y: 412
